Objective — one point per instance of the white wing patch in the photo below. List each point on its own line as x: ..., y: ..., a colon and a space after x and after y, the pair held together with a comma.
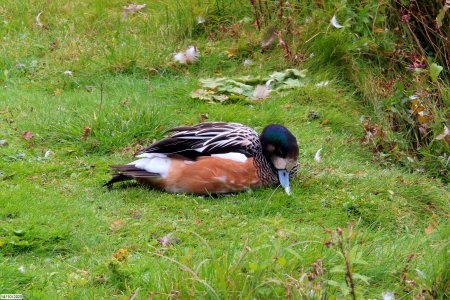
x: 153, y: 163
x: 239, y: 157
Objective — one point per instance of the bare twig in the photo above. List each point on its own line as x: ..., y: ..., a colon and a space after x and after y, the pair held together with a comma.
x: 345, y: 253
x: 255, y: 9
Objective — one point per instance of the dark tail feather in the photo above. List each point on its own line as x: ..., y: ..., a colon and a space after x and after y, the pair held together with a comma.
x: 127, y: 172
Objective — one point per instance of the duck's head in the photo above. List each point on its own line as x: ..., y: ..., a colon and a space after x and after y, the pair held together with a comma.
x: 280, y: 147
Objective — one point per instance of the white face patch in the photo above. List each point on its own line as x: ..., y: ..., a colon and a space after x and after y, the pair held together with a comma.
x: 278, y: 162
x: 153, y: 163
x: 239, y: 157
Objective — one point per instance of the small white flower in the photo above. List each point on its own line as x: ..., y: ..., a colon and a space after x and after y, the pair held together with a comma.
x: 180, y: 57
x: 260, y: 92
x: 410, y: 159
x: 68, y: 73
x: 317, y: 156
x: 311, y: 55
x: 413, y: 97
x: 387, y: 295
x: 21, y: 269
x: 335, y: 23
x: 192, y: 54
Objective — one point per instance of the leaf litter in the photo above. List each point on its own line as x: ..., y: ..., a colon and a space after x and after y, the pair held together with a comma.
x: 248, y: 88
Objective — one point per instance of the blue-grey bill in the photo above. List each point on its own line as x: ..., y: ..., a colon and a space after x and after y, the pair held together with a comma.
x: 283, y: 176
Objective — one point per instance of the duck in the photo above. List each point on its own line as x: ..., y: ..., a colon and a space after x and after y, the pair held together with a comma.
x: 213, y: 158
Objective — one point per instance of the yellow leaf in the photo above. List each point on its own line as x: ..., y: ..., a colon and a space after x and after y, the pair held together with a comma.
x: 422, y: 119
x: 231, y: 52
x: 121, y: 254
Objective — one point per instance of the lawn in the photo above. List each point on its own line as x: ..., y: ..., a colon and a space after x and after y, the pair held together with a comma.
x: 63, y: 235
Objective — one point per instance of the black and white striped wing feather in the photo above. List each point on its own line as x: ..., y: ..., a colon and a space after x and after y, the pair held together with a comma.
x: 208, y: 138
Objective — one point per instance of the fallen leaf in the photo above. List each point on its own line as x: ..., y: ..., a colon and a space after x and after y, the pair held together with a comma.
x: 86, y: 133
x: 325, y: 122
x: 231, y: 52
x: 378, y: 30
x: 3, y: 143
x: 198, y: 222
x: 121, y: 254
x: 89, y: 88
x: 429, y: 229
x: 27, y: 135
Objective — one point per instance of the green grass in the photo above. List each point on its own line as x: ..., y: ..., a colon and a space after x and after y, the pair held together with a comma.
x: 62, y: 227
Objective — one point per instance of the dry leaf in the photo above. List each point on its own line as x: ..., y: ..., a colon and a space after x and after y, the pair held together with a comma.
x: 429, y: 229
x: 198, y: 222
x: 27, y: 135
x: 378, y: 30
x: 86, y: 133
x: 231, y: 52
x: 121, y: 254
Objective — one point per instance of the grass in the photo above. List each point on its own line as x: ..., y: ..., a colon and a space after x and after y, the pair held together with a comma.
x: 59, y: 228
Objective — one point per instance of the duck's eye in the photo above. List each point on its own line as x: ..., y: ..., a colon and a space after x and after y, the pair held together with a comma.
x: 280, y: 153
